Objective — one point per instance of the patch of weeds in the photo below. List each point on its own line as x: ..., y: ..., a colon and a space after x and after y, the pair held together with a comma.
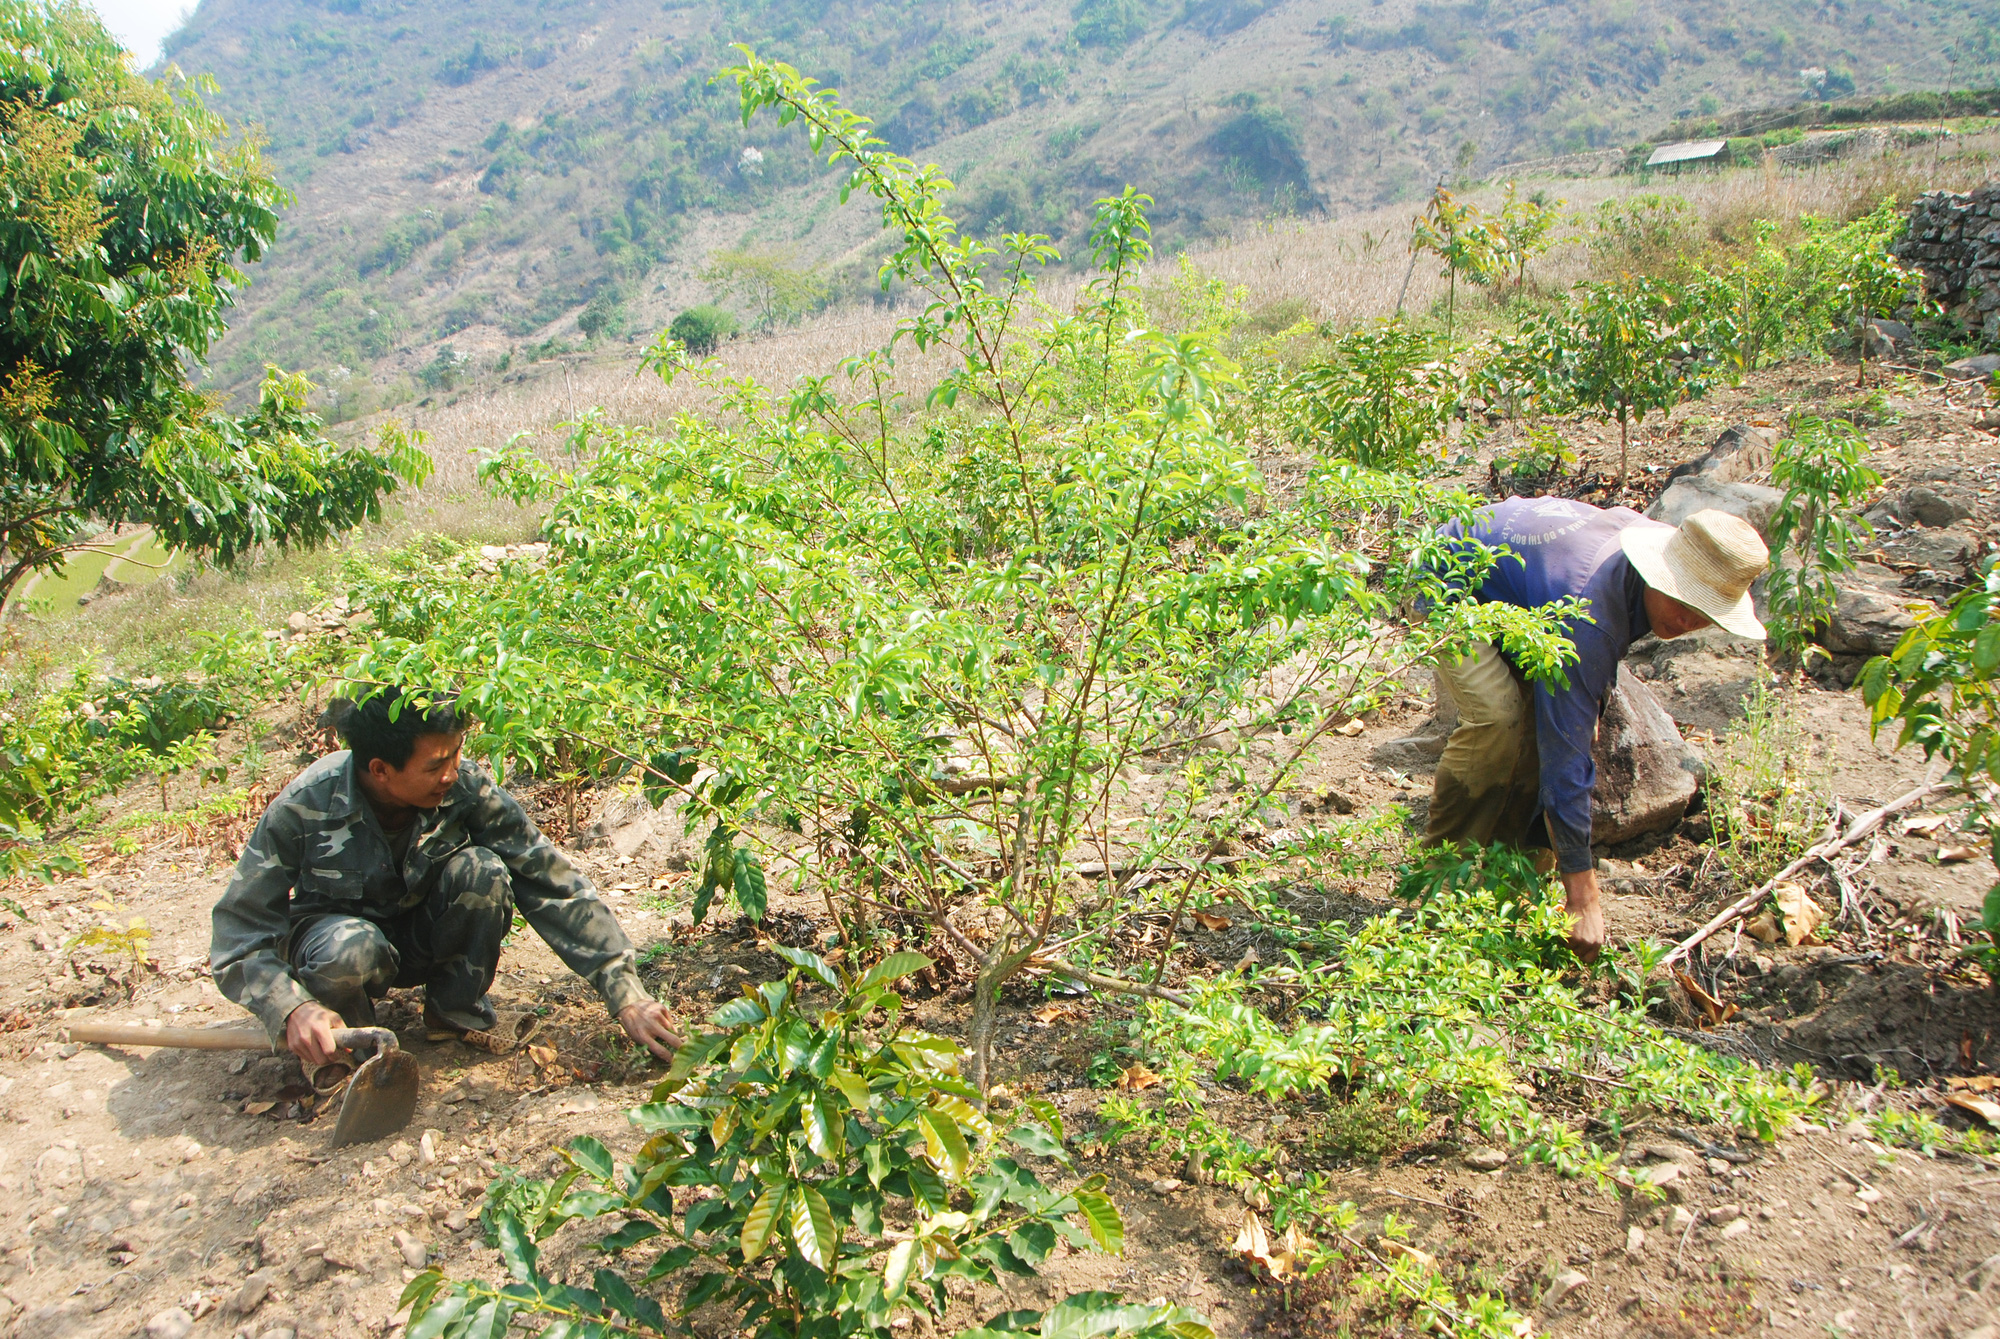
x: 655, y: 953
x: 1365, y: 1129
x: 1769, y: 787
x: 1867, y: 409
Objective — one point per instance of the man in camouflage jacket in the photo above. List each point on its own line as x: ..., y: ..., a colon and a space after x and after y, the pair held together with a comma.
x: 396, y: 863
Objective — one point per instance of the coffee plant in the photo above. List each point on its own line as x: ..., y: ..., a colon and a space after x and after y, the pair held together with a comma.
x: 1815, y: 524
x: 914, y: 673
x: 815, y: 1167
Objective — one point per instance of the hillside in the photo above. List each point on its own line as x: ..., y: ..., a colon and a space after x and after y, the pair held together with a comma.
x: 481, y: 174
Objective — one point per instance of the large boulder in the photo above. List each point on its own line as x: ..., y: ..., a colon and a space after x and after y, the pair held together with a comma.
x: 1646, y: 773
x: 1741, y: 452
x: 1691, y: 493
x: 632, y: 827
x: 1938, y: 503
x: 1886, y: 339
x: 1871, y: 612
x: 1976, y: 368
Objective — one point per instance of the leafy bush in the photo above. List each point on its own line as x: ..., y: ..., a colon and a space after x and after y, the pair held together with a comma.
x: 1816, y: 523
x: 1383, y: 398
x: 841, y: 683
x: 832, y: 1170
x: 702, y: 329
x: 603, y: 316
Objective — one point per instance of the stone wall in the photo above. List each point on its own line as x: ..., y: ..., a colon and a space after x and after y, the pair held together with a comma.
x: 1955, y: 240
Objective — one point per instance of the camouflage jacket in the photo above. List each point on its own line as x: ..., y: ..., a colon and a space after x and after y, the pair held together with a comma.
x: 319, y: 849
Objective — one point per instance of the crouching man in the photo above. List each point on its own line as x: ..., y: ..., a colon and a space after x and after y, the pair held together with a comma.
x: 1520, y: 766
x: 395, y: 864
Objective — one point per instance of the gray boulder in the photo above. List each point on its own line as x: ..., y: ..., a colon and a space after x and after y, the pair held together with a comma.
x: 1937, y: 504
x: 1741, y: 452
x: 1870, y: 613
x: 1976, y: 368
x: 1646, y: 773
x: 1886, y: 339
x: 1948, y: 551
x: 1423, y: 748
x: 1684, y: 497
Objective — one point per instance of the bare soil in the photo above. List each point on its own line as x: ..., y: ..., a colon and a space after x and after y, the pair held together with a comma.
x: 136, y: 1180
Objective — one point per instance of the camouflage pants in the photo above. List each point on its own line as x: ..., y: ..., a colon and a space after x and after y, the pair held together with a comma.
x: 449, y: 944
x: 1488, y: 783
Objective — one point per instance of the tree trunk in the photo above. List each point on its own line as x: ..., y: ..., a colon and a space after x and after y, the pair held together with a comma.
x: 1624, y: 448
x: 985, y: 1017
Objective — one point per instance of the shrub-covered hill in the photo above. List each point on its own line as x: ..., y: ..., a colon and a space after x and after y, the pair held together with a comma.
x: 486, y: 172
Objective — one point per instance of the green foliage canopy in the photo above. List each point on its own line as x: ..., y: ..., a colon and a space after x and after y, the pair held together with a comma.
x: 124, y: 219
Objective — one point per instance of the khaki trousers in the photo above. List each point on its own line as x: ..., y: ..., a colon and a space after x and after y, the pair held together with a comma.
x: 1489, y: 779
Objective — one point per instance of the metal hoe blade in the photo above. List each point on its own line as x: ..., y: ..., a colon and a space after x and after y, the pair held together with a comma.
x: 381, y: 1098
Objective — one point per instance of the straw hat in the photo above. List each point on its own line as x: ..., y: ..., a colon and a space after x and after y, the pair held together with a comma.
x: 1707, y: 563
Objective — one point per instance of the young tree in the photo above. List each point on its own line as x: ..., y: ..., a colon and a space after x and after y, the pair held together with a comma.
x: 773, y: 282
x: 1819, y: 467
x: 124, y: 219
x: 1630, y: 354
x: 1524, y: 230
x: 1465, y: 242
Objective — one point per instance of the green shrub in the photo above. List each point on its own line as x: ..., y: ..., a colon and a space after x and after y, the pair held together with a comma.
x: 785, y: 1150
x: 702, y: 329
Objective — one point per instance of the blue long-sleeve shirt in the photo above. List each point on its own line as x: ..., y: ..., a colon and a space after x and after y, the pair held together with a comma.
x: 1562, y: 548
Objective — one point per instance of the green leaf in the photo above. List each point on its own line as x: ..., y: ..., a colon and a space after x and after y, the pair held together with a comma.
x: 749, y: 883
x: 892, y: 968
x: 811, y: 962
x: 812, y: 1227
x: 619, y: 1295
x: 630, y: 1235
x: 1101, y: 1216
x: 945, y: 1143
x: 762, y: 1220
x: 438, y: 1317
x: 1038, y: 1141
x: 822, y: 1134
x: 590, y: 1155
x: 896, y: 1270
x: 852, y: 1086
x: 517, y: 1249
x: 1045, y: 1111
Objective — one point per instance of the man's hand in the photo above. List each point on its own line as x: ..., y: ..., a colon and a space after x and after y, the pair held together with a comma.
x: 309, y: 1032
x: 652, y: 1027
x: 1586, y: 936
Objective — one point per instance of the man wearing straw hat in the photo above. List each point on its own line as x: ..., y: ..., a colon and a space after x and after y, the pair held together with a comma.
x: 1519, y: 768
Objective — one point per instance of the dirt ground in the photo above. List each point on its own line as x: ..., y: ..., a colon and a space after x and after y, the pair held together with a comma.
x: 136, y: 1180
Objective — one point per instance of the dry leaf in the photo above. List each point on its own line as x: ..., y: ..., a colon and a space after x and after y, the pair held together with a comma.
x: 1209, y: 921
x: 1049, y: 1013
x: 1925, y: 826
x: 1253, y: 1243
x: 1423, y: 1259
x: 1984, y: 1108
x: 1763, y: 927
x: 1715, y: 1010
x: 1953, y: 855
x: 1352, y: 728
x: 1973, y: 1083
x: 1802, y: 914
x: 542, y: 1055
x: 257, y: 1108
x: 1138, y: 1077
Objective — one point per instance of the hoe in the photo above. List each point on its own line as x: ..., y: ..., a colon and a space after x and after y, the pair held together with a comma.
x: 381, y: 1095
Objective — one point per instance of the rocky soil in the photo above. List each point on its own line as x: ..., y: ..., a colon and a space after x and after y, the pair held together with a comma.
x: 183, y: 1193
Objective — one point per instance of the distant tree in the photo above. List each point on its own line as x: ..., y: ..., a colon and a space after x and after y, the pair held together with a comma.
x: 772, y: 282
x: 1525, y: 230
x: 702, y: 329
x: 1467, y: 244
x: 123, y: 220
x: 1630, y: 353
x: 1112, y: 24
x: 603, y: 315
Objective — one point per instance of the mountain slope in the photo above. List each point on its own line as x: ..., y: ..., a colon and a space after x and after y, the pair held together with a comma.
x: 480, y: 172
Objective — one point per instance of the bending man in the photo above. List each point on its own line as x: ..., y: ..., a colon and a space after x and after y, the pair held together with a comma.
x: 1521, y: 756
x: 397, y: 863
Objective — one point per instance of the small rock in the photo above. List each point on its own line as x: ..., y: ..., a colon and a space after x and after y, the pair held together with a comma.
x: 1869, y: 1196
x: 1662, y: 1174
x: 427, y: 1147
x: 402, y: 1154
x: 282, y: 1332
x: 1635, y: 1240
x: 1886, y: 339
x: 1735, y: 1228
x: 1722, y: 1213
x: 298, y: 621
x: 1167, y: 1185
x: 415, y: 1253
x: 1485, y: 1159
x: 252, y: 1294
x: 1564, y: 1284
x: 456, y: 1220
x: 1195, y: 1169
x: 1717, y: 1167
x: 1844, y: 1320
x: 1857, y: 1129
x: 308, y: 1271
x: 1984, y: 1332
x: 1682, y: 1219
x: 173, y: 1323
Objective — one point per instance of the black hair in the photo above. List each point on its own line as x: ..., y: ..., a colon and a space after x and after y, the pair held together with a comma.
x: 386, y: 725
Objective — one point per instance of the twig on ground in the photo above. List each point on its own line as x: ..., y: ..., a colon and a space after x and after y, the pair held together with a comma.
x: 1750, y: 901
x: 1435, y: 1204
